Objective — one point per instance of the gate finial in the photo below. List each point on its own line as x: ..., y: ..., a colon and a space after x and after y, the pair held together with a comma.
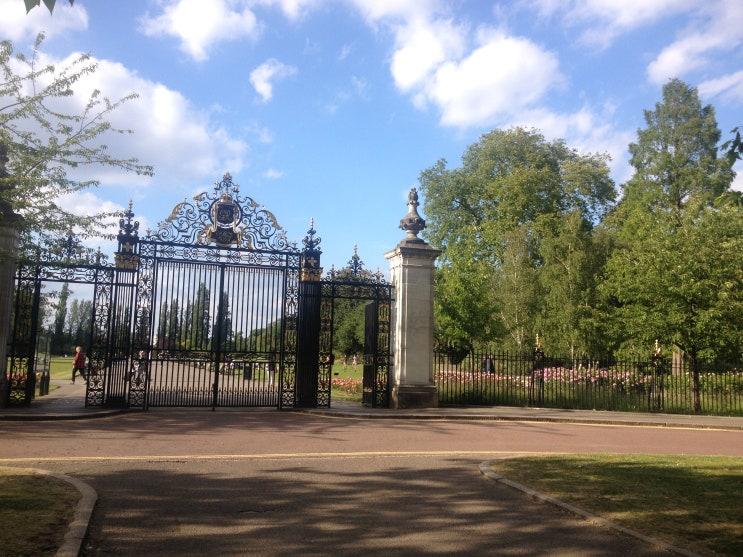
x: 412, y: 223
x: 128, y: 237
x: 310, y: 259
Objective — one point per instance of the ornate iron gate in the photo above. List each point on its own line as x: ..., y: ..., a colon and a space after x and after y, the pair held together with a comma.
x: 356, y: 283
x: 67, y: 262
x: 216, y: 295
x: 214, y: 308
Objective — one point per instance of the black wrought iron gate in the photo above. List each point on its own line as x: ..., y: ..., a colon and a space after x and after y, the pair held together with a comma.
x: 216, y: 299
x: 70, y: 263
x: 359, y: 285
x: 214, y: 308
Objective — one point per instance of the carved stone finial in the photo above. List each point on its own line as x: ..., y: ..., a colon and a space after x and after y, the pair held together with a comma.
x: 412, y: 223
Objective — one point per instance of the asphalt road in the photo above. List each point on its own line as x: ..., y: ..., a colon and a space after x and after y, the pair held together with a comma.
x: 267, y: 483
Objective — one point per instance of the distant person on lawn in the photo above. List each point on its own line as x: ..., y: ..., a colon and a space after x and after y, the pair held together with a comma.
x: 78, y: 364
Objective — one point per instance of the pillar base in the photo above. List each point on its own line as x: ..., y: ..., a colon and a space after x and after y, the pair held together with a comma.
x: 410, y: 396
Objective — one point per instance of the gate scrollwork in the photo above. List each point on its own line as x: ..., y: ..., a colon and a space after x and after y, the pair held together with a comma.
x: 222, y: 218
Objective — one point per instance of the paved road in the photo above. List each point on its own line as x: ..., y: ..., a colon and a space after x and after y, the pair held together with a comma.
x: 250, y: 482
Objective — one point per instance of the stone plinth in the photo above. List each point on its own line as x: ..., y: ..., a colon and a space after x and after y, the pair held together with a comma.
x: 411, y: 272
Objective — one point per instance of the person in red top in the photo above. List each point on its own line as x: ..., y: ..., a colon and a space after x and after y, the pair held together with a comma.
x: 78, y: 364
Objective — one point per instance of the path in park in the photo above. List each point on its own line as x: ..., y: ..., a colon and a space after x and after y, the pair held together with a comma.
x: 261, y: 482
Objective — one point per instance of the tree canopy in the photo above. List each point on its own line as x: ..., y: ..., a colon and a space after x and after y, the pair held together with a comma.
x: 533, y: 242
x: 41, y: 143
x: 493, y: 219
x: 675, y: 270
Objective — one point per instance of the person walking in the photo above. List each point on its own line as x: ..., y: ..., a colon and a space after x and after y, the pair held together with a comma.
x: 78, y: 364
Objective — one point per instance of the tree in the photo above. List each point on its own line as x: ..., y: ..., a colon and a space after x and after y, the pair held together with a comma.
x: 31, y: 4
x: 59, y: 341
x: 567, y: 282
x: 682, y: 283
x: 349, y: 304
x: 201, y: 318
x: 40, y: 142
x: 79, y: 322
x: 222, y: 333
x: 675, y: 157
x: 674, y: 274
x: 490, y: 218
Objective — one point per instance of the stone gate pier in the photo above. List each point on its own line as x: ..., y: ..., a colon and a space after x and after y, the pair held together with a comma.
x: 412, y: 274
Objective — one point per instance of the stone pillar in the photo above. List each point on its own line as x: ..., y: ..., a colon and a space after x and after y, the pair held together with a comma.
x: 411, y: 273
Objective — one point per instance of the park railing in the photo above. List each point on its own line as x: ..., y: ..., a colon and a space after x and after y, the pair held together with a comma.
x: 655, y: 384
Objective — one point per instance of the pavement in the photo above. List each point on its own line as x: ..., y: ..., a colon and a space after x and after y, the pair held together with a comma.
x: 67, y: 403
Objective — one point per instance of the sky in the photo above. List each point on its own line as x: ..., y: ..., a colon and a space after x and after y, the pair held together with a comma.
x: 330, y: 109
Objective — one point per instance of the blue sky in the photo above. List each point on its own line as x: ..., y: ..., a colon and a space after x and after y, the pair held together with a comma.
x: 330, y: 109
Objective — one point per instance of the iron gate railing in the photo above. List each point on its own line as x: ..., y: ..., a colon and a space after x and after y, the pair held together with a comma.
x: 216, y: 301
x: 649, y: 384
x: 214, y: 308
x: 67, y: 262
x: 356, y: 284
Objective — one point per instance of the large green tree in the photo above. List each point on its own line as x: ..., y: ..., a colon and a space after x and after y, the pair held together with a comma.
x: 674, y: 274
x: 491, y: 217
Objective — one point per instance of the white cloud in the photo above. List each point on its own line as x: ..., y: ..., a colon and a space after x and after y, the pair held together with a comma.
x: 422, y: 47
x: 197, y: 28
x: 602, y: 21
x: 263, y: 76
x: 715, y: 29
x: 476, y: 78
x: 294, y: 9
x: 375, y: 11
x: 273, y: 174
x: 737, y: 184
x: 728, y: 86
x: 17, y: 26
x: 178, y: 139
x: 501, y: 77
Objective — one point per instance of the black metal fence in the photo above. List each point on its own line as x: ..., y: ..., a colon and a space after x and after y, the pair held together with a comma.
x: 654, y: 384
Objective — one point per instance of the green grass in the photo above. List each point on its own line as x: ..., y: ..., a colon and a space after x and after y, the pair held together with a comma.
x: 35, y: 511
x: 692, y: 502
x: 60, y: 368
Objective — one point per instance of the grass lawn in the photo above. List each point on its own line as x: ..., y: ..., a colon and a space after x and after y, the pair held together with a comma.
x: 35, y: 512
x: 60, y: 368
x: 693, y: 502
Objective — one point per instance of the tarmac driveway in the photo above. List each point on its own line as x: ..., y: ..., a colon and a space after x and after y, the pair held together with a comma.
x: 266, y: 483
